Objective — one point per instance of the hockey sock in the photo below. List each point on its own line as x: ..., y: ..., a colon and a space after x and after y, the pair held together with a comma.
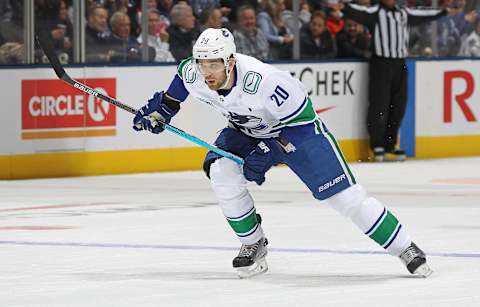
x: 230, y: 187
x: 373, y: 219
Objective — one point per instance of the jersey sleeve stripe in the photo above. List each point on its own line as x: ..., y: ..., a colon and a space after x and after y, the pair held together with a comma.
x: 370, y: 9
x: 296, y: 112
x: 422, y: 12
x: 307, y: 115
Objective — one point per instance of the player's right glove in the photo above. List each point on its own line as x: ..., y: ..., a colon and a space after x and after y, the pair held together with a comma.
x: 158, y: 110
x: 267, y: 154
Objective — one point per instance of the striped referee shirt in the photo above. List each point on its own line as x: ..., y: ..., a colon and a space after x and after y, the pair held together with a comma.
x: 390, y: 26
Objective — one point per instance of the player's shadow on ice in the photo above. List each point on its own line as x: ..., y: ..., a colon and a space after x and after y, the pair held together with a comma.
x: 291, y: 280
x: 327, y: 279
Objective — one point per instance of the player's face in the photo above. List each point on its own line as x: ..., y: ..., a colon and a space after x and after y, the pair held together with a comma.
x: 213, y: 71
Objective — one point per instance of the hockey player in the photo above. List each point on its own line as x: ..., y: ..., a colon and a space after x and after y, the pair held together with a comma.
x: 271, y: 121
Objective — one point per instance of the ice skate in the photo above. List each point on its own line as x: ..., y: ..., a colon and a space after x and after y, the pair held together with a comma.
x: 251, y: 259
x: 378, y: 154
x: 415, y: 260
x: 395, y: 155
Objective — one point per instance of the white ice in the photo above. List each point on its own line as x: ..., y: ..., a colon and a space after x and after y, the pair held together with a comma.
x: 160, y: 240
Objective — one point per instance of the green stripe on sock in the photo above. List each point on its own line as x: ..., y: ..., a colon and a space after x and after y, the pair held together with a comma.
x: 385, y: 229
x: 244, y: 225
x: 343, y: 158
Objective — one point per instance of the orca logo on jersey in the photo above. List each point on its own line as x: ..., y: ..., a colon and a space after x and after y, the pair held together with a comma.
x: 247, y: 121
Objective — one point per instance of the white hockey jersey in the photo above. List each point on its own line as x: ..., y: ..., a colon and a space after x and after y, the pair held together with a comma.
x: 262, y: 102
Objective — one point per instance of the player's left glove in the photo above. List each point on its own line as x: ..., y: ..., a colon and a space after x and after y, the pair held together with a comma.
x: 267, y: 154
x: 158, y: 110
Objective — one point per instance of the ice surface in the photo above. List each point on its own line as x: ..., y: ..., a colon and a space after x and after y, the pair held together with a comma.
x: 160, y: 240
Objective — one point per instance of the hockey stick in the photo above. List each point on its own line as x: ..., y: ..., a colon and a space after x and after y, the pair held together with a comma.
x: 45, y: 43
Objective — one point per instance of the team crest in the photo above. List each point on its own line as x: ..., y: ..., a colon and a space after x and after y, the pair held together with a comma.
x: 251, y: 81
x: 247, y: 121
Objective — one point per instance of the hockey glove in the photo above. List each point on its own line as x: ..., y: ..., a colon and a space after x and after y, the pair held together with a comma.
x: 267, y: 154
x: 157, y: 111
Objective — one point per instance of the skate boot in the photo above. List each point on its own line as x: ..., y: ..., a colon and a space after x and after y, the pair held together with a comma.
x: 415, y: 260
x: 251, y: 259
x: 395, y: 155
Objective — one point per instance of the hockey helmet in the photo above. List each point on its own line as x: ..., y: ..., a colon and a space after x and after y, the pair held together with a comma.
x: 215, y: 44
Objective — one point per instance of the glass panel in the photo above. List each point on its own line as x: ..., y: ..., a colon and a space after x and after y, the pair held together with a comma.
x: 56, y: 17
x: 12, y: 46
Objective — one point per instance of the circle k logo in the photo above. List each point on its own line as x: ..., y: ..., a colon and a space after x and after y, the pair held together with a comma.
x: 54, y: 104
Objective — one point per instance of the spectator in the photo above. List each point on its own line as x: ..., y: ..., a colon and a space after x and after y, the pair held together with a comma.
x: 96, y: 33
x: 164, y: 7
x: 151, y: 4
x: 158, y: 37
x: 448, y: 37
x: 316, y: 41
x: 270, y: 21
x: 123, y: 46
x: 211, y: 18
x: 303, y: 17
x: 353, y: 41
x: 334, y: 22
x: 128, y: 7
x: 316, y: 5
x: 198, y: 6
x: 5, y: 10
x: 471, y: 45
x: 11, y: 30
x: 454, y: 29
x: 12, y: 53
x: 420, y: 43
x: 182, y: 31
x: 61, y: 30
x: 235, y: 5
x: 248, y: 38
x: 464, y: 21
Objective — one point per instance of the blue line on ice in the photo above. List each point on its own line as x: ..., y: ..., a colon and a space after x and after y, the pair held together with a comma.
x: 225, y: 248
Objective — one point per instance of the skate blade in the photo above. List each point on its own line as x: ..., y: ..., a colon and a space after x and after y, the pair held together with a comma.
x: 424, y: 271
x: 259, y: 267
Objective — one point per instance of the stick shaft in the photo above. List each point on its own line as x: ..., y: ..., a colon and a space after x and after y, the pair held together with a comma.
x: 45, y: 43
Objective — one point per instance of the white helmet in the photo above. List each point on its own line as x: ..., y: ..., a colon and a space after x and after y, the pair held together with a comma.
x: 215, y: 44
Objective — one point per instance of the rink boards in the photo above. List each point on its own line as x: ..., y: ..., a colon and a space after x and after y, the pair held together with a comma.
x: 50, y: 129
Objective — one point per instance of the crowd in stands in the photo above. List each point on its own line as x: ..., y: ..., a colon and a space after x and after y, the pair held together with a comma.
x: 262, y: 28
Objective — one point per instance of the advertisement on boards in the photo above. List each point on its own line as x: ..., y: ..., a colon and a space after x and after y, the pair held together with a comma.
x: 55, y: 109
x: 447, y: 98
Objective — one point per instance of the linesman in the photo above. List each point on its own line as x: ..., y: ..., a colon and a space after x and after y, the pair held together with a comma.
x: 389, y: 25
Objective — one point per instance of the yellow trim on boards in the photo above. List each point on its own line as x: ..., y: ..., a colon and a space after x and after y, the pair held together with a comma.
x: 66, y: 164
x: 67, y: 134
x: 447, y: 146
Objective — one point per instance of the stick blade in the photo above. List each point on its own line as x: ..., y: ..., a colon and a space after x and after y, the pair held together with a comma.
x: 45, y: 42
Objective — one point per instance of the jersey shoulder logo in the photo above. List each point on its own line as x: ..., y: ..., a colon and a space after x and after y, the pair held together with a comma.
x: 181, y: 66
x: 189, y: 73
x: 186, y: 71
x: 251, y: 82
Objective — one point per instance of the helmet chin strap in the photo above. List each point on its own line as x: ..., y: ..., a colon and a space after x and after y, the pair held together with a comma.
x: 228, y: 73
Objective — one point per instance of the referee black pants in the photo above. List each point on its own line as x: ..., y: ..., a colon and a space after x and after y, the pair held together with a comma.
x: 387, y: 101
